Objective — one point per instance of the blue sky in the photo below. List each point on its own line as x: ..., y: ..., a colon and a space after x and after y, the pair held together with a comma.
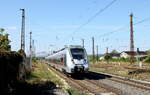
x: 54, y: 22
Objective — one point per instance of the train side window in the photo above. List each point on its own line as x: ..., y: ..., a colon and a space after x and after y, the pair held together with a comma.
x: 65, y: 60
x: 62, y: 60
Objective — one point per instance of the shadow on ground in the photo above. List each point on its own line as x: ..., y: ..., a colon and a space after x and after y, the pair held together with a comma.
x: 43, y: 88
x: 90, y: 76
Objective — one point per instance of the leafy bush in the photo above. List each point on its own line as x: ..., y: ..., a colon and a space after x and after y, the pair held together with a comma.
x: 34, y: 59
x: 4, y: 41
x: 90, y: 58
x: 72, y: 91
x: 147, y: 59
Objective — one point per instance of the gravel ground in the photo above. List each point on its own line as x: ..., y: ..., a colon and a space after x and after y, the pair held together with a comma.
x: 127, y: 90
x: 55, y: 92
x: 124, y: 88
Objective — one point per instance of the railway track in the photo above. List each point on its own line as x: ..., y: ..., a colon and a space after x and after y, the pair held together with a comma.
x: 125, y: 86
x: 71, y: 82
x: 84, y: 86
x: 136, y: 83
x: 99, y: 83
x: 94, y: 88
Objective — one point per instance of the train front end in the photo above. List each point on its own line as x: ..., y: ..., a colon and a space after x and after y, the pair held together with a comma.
x: 79, y: 60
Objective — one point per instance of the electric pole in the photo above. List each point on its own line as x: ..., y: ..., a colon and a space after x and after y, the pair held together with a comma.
x: 33, y: 48
x: 97, y: 52
x: 82, y: 42
x: 131, y: 39
x: 107, y: 55
x: 23, y: 30
x: 30, y: 43
x: 30, y: 49
x: 106, y: 50
x: 93, y: 52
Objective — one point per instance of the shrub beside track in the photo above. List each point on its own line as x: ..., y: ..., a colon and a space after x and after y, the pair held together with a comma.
x: 12, y: 68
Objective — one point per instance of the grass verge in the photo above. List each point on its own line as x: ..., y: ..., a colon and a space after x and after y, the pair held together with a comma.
x: 72, y: 91
x: 124, y: 69
x: 41, y: 74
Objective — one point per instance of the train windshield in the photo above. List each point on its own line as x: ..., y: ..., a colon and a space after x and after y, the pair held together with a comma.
x: 78, y: 53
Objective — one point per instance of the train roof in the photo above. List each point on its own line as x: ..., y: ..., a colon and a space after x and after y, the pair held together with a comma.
x: 60, y: 53
x: 74, y: 46
x: 56, y: 55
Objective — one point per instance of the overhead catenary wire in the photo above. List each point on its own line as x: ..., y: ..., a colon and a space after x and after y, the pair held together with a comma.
x: 124, y: 27
x: 141, y: 21
x: 136, y: 23
x: 109, y: 33
x: 94, y: 16
x: 118, y: 30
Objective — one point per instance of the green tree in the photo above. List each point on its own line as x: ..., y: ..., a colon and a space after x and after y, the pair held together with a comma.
x: 147, y: 59
x: 148, y: 53
x: 114, y: 52
x: 107, y: 56
x: 4, y: 41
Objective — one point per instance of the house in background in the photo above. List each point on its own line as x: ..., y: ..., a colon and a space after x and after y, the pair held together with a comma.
x: 101, y: 58
x: 112, y: 55
x: 139, y: 54
x: 126, y: 54
x: 115, y: 55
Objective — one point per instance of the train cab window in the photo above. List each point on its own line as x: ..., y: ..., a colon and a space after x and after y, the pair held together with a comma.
x: 78, y: 53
